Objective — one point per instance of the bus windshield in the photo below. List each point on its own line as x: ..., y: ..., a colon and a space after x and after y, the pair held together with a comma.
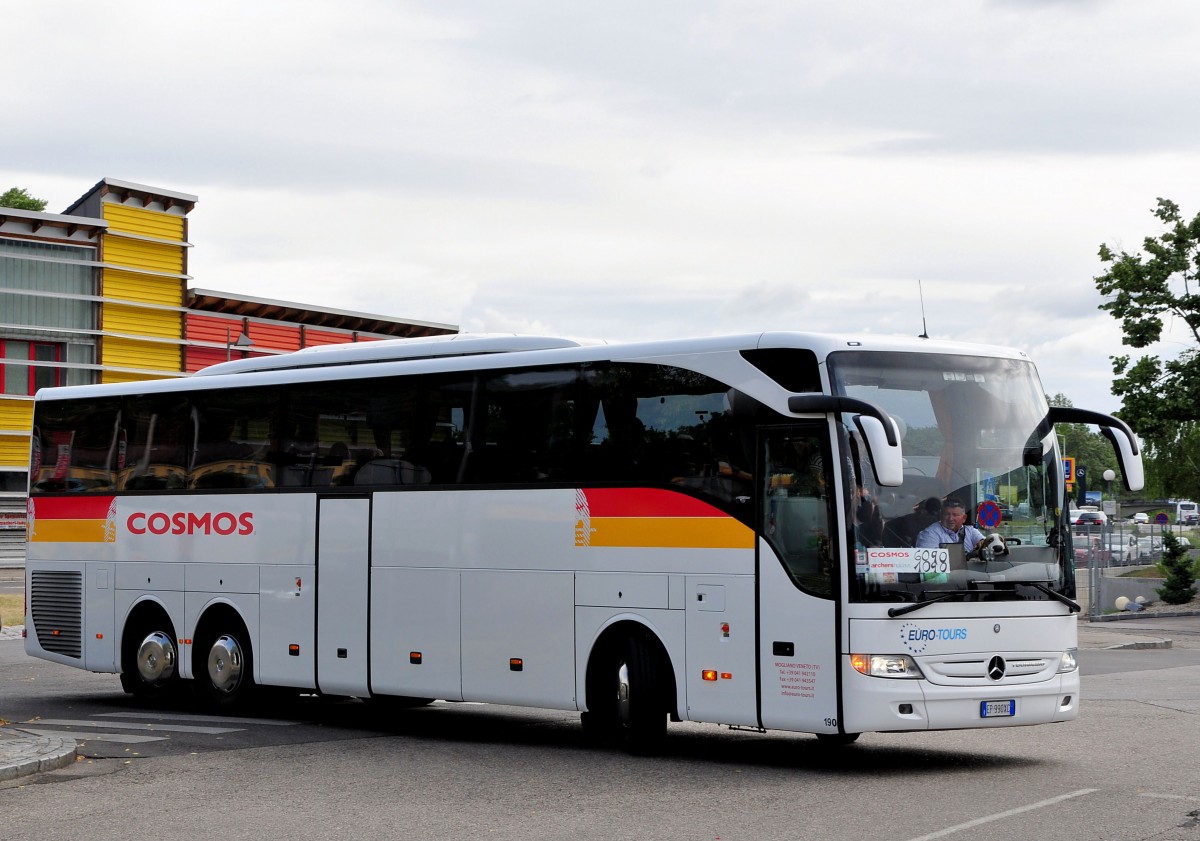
x: 974, y: 432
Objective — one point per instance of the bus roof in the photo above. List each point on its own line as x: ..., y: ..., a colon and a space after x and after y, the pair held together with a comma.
x: 495, y: 350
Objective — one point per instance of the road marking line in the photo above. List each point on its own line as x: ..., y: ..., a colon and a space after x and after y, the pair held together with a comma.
x: 121, y: 725
x: 123, y: 738
x: 1168, y: 796
x: 213, y: 719
x: 1001, y: 815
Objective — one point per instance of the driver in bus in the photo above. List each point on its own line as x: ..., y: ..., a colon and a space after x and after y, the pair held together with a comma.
x: 951, y: 528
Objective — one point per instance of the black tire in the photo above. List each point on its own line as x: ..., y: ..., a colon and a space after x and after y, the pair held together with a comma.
x: 627, y: 697
x: 149, y: 658
x: 390, y: 703
x: 223, y: 665
x: 836, y: 740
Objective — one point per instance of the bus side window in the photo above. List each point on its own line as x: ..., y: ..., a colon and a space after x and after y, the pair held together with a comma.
x: 233, y: 433
x: 78, y: 446
x: 796, y: 509
x: 155, y: 427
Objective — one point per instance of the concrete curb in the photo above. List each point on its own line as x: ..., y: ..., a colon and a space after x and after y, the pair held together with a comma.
x: 1138, y: 645
x: 23, y: 754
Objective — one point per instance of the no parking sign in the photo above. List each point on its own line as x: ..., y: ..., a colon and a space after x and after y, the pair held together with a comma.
x: 988, y: 514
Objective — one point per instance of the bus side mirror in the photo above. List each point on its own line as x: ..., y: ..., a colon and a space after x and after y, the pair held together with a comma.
x: 1129, y: 451
x: 1132, y: 472
x: 886, y: 459
x: 883, y: 442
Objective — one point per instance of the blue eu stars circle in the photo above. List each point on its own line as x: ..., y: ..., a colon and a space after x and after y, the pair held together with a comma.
x: 912, y: 639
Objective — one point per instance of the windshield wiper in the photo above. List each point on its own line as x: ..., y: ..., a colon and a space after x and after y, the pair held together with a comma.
x: 909, y: 608
x: 1073, y: 605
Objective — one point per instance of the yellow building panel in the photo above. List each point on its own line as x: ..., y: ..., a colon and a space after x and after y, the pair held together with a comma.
x: 14, y: 451
x: 130, y: 353
x: 147, y: 223
x: 136, y: 321
x: 149, y: 289
x: 140, y: 254
x: 121, y: 377
x: 16, y: 414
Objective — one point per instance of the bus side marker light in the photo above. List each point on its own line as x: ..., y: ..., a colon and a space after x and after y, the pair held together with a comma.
x: 99, y: 636
x: 516, y: 664
x: 293, y: 650
x: 414, y: 657
x: 709, y: 674
x: 726, y: 675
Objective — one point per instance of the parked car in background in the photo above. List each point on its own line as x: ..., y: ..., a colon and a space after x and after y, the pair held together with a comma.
x: 1191, y: 519
x: 1089, y: 520
x: 1141, y: 518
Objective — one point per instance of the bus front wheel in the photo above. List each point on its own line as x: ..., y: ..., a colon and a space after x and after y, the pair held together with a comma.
x: 834, y: 740
x: 626, y: 697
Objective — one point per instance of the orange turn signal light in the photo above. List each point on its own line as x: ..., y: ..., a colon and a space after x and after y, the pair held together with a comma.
x: 861, y: 663
x: 709, y: 674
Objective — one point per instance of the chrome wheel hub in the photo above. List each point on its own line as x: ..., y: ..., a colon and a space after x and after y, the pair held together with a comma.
x: 156, y: 659
x: 225, y: 663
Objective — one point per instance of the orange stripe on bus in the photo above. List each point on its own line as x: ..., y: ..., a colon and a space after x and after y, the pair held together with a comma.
x: 668, y: 532
x: 68, y: 531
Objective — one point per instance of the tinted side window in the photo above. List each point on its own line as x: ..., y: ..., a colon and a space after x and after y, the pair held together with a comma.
x: 233, y: 432
x: 528, y: 433
x: 662, y: 425
x: 796, y: 511
x: 76, y: 446
x: 155, y: 442
x: 357, y: 432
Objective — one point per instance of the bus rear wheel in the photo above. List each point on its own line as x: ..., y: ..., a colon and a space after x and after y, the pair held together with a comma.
x: 626, y: 695
x: 149, y: 661
x: 224, y: 667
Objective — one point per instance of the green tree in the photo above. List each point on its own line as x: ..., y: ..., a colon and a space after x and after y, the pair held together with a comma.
x: 1177, y: 567
x: 1160, y: 397
x: 19, y: 198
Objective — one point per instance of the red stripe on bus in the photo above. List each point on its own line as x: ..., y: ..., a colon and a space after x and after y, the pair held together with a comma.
x: 646, y: 502
x: 72, y: 507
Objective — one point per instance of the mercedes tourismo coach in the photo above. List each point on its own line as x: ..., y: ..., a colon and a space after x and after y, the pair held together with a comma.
x: 721, y: 530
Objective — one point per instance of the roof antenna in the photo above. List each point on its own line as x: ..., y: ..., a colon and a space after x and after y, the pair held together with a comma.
x: 924, y: 329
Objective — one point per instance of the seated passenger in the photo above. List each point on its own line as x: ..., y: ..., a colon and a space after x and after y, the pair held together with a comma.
x: 903, y: 531
x: 952, y: 528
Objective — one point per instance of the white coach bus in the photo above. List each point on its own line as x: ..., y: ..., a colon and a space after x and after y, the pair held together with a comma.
x: 719, y: 530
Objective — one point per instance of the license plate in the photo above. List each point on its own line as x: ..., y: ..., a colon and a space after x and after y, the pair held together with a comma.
x: 997, y: 709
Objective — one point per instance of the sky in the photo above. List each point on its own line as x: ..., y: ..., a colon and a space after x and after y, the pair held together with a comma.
x: 637, y: 170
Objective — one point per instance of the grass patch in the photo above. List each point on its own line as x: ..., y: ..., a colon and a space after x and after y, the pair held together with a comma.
x: 12, y: 608
x: 1144, y: 572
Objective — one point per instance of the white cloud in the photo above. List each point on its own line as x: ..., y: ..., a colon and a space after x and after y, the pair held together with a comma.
x: 636, y: 169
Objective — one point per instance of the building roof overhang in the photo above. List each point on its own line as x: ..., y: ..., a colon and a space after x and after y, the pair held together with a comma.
x: 244, y: 306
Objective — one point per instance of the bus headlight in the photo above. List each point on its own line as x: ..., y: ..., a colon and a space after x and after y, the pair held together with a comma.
x: 886, y: 665
x: 1068, y: 662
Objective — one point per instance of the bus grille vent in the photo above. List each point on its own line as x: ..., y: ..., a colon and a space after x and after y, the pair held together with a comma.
x: 56, y: 603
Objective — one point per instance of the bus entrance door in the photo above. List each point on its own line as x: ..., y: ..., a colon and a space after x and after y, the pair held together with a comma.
x: 343, y: 574
x: 796, y: 552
